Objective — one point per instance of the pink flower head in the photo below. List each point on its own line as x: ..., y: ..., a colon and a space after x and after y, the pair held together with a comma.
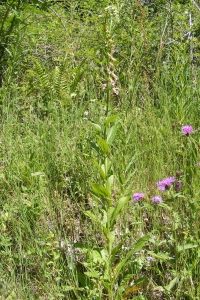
x: 157, y: 199
x: 165, y: 184
x: 198, y: 164
x: 187, y: 129
x: 137, y: 197
x: 115, y: 91
x: 109, y: 71
x: 111, y: 57
x: 112, y: 81
x: 104, y: 85
x: 115, y: 76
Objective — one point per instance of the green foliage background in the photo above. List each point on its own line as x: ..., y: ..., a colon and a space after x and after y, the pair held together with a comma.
x: 53, y: 62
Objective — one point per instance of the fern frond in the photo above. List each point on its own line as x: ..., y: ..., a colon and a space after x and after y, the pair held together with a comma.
x: 60, y: 83
x: 56, y: 81
x: 42, y: 75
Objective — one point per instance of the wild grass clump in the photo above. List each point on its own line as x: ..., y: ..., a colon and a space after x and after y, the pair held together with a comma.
x: 99, y: 150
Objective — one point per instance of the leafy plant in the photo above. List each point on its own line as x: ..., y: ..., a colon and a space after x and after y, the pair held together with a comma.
x: 101, y: 264
x: 99, y: 100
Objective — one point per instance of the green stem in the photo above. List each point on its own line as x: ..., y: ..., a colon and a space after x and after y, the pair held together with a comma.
x: 107, y: 108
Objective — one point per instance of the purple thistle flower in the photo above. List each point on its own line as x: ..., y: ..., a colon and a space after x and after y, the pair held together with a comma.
x: 137, y: 197
x: 165, y: 184
x: 157, y: 199
x: 187, y: 129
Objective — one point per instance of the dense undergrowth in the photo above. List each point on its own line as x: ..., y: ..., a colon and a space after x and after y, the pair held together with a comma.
x: 94, y: 98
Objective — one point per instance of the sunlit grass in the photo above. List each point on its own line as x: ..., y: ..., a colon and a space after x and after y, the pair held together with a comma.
x: 50, y: 120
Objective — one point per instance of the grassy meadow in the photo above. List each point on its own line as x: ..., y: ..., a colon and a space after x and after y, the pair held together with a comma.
x: 100, y: 150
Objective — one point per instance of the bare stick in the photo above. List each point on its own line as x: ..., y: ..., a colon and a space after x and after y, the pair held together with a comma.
x: 194, y: 2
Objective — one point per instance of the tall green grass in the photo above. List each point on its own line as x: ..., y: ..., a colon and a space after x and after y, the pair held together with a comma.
x: 52, y: 107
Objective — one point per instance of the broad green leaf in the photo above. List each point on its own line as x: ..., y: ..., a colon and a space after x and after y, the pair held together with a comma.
x: 103, y: 145
x: 105, y: 216
x: 110, y: 181
x: 86, y: 248
x: 120, y: 205
x: 96, y: 256
x: 107, y: 167
x: 160, y: 255
x: 100, y: 190
x: 104, y: 255
x: 110, y: 212
x: 94, y: 146
x: 107, y: 286
x: 187, y: 246
x: 96, y: 126
x: 198, y: 253
x: 110, y: 119
x: 105, y: 230
x: 172, y: 284
x: 92, y: 274
x: 101, y: 170
x: 94, y: 218
x: 121, y: 178
x: 111, y: 238
x: 115, y: 250
x: 140, y: 243
x: 112, y: 132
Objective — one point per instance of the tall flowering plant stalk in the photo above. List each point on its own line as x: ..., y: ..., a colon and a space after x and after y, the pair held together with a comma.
x: 103, y: 267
